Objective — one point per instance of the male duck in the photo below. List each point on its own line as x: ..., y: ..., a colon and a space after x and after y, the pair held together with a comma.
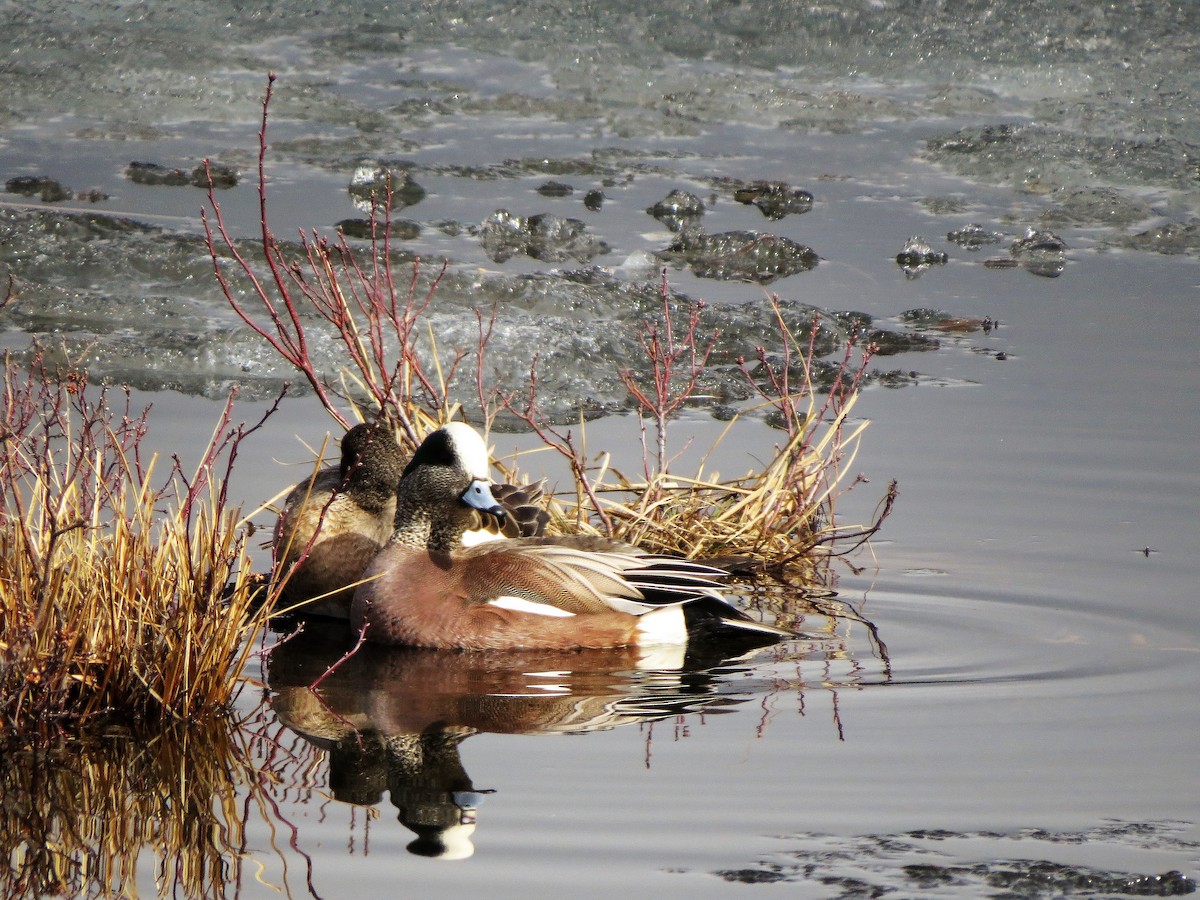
x: 334, y: 523
x: 425, y: 589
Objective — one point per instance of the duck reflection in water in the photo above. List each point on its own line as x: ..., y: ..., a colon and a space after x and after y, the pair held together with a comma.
x: 392, y: 718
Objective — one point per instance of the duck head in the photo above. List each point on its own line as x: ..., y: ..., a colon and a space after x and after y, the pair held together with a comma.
x: 455, y: 456
x: 445, y: 482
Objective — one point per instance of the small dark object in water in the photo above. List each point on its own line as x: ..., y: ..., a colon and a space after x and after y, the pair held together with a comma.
x: 555, y: 189
x: 555, y: 238
x: 546, y: 237
x: 917, y: 256
x: 375, y: 179
x: 1038, y: 240
x: 1044, y: 267
x: 503, y: 235
x: 972, y: 237
x: 889, y: 343
x: 49, y: 190
x: 1000, y: 263
x: 1002, y: 356
x: 1169, y: 884
x: 1040, y: 252
x: 222, y: 176
x: 752, y: 876
x: 677, y: 209
x: 943, y: 321
x: 775, y: 199
x: 155, y: 175
x: 160, y: 176
x: 895, y: 378
x: 740, y: 255
x: 593, y: 200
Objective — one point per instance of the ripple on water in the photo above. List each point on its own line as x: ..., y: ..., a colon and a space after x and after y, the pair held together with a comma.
x: 937, y: 638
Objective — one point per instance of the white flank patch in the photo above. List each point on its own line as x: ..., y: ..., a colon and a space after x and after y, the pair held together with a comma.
x: 520, y: 604
x: 664, y: 625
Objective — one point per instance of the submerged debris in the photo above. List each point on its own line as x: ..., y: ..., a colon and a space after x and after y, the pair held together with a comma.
x: 1171, y: 238
x: 1037, y: 158
x: 944, y: 321
x: 889, y: 343
x: 864, y: 866
x: 775, y: 199
x: 1041, y: 252
x: 740, y: 255
x: 678, y: 209
x: 156, y: 175
x: 973, y: 140
x: 1096, y: 206
x: 370, y: 183
x: 222, y: 176
x: 555, y: 189
x: 917, y: 256
x: 46, y: 189
x: 972, y: 237
x: 894, y: 378
x: 546, y: 237
x: 1037, y: 241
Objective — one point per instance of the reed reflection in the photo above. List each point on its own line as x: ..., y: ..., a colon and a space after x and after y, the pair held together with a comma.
x: 81, y: 818
x: 393, y: 719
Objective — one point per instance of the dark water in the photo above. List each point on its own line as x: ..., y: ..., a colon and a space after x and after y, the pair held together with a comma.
x: 1032, y: 728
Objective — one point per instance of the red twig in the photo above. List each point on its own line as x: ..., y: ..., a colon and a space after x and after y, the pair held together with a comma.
x: 666, y: 353
x: 563, y: 443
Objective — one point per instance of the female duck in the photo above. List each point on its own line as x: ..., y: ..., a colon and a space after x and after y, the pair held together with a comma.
x: 425, y: 589
x: 334, y: 523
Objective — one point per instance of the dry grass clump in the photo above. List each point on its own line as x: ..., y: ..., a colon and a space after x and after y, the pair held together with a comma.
x: 780, y: 515
x: 113, y: 586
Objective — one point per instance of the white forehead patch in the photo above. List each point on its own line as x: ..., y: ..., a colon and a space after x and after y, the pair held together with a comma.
x: 469, y: 448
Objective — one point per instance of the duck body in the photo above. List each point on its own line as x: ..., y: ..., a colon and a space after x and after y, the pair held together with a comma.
x: 425, y: 589
x: 517, y: 594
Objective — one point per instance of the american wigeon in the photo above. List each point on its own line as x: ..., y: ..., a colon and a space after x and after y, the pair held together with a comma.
x: 424, y: 589
x: 334, y: 523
